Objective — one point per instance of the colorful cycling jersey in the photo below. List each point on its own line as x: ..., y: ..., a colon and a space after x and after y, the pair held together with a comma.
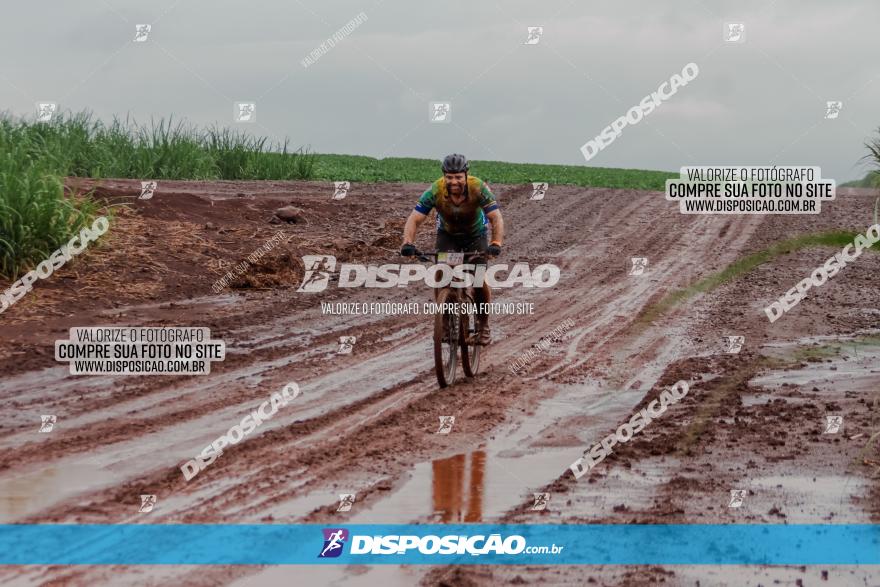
x: 468, y: 218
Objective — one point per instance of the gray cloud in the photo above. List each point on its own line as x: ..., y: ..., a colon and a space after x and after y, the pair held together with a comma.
x: 753, y: 103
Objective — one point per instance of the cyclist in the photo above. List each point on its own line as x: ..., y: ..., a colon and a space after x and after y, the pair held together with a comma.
x: 465, y: 206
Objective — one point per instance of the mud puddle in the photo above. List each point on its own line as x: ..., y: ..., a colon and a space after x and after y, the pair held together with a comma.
x: 483, y: 485
x: 27, y: 493
x: 833, y: 363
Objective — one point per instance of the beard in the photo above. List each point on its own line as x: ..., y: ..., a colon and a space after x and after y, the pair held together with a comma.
x: 456, y: 189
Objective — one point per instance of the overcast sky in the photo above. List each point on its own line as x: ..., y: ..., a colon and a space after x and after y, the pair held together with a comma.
x: 762, y: 101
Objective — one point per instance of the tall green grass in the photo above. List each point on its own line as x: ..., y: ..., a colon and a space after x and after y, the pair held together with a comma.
x: 78, y: 145
x: 872, y: 178
x: 873, y: 156
x: 35, y: 215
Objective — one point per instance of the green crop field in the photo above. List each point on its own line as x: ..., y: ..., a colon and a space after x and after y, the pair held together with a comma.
x: 36, y: 217
x: 871, y: 180
x: 357, y: 168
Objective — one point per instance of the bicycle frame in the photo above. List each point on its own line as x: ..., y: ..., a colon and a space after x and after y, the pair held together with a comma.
x: 453, y: 330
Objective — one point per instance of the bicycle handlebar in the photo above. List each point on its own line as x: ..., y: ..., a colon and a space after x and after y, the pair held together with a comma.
x: 432, y: 255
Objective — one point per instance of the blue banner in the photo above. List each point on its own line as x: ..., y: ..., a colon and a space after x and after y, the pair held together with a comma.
x: 279, y: 544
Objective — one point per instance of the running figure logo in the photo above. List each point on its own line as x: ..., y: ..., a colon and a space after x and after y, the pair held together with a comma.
x: 832, y: 108
x: 833, y: 424
x: 245, y: 112
x: 48, y: 422
x: 734, y: 32
x: 334, y: 540
x: 147, y: 503
x: 539, y: 188
x: 45, y: 111
x: 147, y: 189
x: 639, y: 264
x: 440, y: 112
x: 541, y: 500
x: 736, y: 498
x: 346, y: 500
x: 142, y: 31
x: 340, y: 189
x: 733, y: 344
x: 318, y: 269
x: 534, y: 37
x: 446, y: 424
x: 346, y: 344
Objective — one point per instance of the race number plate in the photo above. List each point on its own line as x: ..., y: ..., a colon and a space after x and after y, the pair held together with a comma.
x: 450, y: 258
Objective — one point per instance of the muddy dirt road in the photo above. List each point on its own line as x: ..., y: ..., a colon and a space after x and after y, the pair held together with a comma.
x: 366, y: 422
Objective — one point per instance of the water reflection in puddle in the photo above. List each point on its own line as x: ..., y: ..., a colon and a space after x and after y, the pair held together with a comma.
x: 458, y: 487
x: 484, y: 484
x: 25, y: 494
x: 448, y: 490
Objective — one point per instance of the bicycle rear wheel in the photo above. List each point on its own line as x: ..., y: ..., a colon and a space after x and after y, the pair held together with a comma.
x: 446, y: 347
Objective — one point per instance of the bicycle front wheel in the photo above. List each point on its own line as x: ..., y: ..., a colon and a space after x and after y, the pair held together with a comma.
x: 470, y: 353
x: 446, y: 340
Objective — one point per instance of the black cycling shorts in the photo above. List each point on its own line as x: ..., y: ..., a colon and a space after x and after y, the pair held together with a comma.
x: 447, y: 242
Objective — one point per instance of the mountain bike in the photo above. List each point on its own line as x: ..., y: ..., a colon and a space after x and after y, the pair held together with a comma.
x: 454, y: 330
